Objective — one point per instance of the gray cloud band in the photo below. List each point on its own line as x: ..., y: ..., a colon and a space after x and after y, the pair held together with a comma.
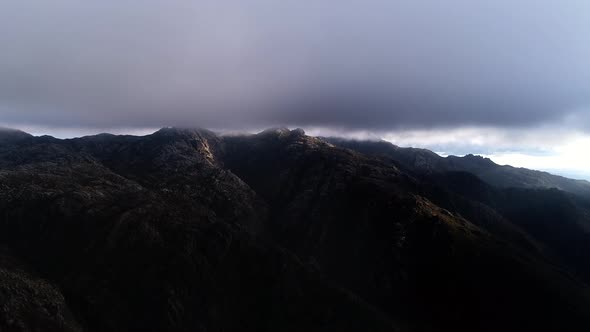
x: 353, y: 64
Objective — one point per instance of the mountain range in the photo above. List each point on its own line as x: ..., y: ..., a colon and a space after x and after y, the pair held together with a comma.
x: 189, y: 230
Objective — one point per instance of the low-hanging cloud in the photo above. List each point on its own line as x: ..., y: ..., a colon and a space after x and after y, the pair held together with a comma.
x: 371, y: 64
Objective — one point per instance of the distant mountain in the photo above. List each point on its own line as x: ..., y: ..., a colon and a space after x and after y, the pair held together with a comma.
x: 426, y: 161
x: 187, y: 230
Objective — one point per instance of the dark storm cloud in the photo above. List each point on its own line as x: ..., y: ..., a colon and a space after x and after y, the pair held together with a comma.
x: 365, y: 64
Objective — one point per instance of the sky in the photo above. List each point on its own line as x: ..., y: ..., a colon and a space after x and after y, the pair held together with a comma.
x: 508, y: 79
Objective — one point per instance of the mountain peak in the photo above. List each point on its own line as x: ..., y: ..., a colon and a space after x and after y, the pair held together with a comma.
x: 184, y: 132
x: 283, y: 132
x: 12, y: 135
x: 481, y: 160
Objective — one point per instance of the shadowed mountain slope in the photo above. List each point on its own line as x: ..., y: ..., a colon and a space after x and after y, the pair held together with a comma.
x: 186, y: 230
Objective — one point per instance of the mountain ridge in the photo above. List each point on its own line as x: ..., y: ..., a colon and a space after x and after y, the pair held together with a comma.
x: 500, y: 175
x: 377, y: 147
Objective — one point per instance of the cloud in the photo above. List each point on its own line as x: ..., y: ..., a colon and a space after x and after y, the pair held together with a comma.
x: 365, y: 65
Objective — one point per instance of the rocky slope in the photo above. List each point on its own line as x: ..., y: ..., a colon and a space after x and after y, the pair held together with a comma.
x: 186, y: 230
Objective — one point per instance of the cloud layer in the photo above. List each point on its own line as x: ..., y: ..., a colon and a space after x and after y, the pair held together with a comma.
x: 367, y: 65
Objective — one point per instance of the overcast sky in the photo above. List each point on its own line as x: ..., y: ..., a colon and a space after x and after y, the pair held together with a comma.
x: 505, y: 78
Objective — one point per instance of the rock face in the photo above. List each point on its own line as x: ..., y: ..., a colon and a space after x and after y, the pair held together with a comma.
x: 186, y: 230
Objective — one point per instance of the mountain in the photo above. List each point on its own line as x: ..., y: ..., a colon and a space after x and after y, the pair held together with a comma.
x: 426, y: 161
x: 188, y: 230
x: 9, y: 134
